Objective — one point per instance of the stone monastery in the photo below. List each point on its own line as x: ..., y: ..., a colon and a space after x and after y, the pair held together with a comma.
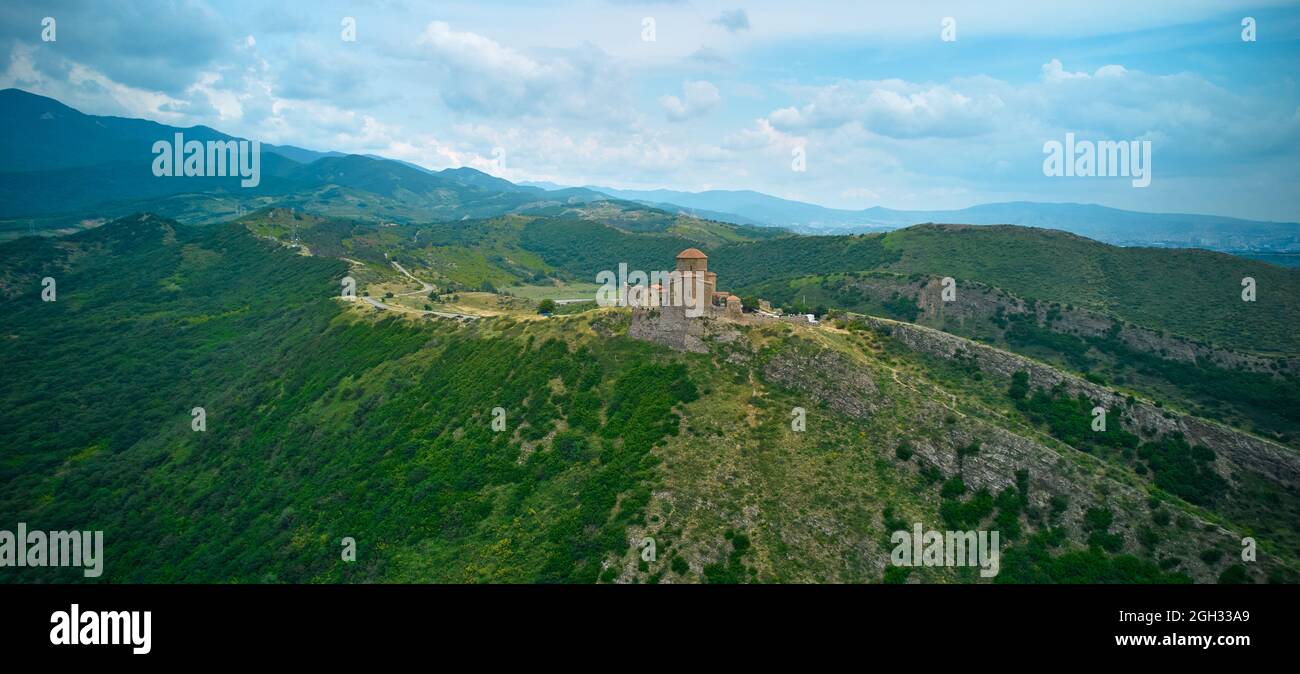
x: 693, y: 287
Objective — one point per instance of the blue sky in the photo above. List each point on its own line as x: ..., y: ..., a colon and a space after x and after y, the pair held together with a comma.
x: 886, y: 112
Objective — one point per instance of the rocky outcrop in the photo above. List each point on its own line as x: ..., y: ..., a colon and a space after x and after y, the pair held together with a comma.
x: 1269, y: 459
x: 826, y: 376
x: 979, y: 306
x: 936, y: 432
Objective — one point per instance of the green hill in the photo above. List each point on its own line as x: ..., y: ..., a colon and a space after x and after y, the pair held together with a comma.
x: 1190, y: 292
x: 327, y: 420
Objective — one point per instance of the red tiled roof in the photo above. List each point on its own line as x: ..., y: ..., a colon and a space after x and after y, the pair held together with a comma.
x: 692, y: 254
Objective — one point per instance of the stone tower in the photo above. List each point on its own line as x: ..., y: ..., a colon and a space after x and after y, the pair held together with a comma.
x: 693, y: 266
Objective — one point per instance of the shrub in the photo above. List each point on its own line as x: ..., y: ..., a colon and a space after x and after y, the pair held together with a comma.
x: 952, y: 488
x: 1097, y: 519
x: 896, y: 575
x: 1234, y: 575
x: 1106, y: 541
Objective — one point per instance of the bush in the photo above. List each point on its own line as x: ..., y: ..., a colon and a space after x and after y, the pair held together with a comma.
x: 1097, y: 519
x: 896, y: 575
x: 1234, y: 575
x: 1184, y: 470
x: 1019, y: 385
x: 1106, y: 541
x: 961, y: 516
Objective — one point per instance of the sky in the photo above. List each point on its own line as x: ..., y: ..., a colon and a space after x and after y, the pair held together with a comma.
x: 868, y: 98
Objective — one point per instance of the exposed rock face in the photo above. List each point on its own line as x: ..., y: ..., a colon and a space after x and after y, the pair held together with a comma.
x: 979, y: 305
x: 826, y: 376
x: 1270, y: 459
x: 859, y: 391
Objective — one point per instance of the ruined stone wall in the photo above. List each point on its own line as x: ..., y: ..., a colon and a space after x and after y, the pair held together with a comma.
x: 671, y: 327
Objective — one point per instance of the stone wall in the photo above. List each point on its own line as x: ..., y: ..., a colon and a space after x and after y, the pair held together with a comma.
x: 671, y: 327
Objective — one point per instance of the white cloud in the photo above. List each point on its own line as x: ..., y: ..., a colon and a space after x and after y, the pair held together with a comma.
x: 554, y: 84
x: 894, y: 108
x: 82, y: 84
x: 763, y: 136
x: 733, y: 20
x: 225, y: 101
x: 478, y: 75
x: 698, y: 98
x: 1054, y: 71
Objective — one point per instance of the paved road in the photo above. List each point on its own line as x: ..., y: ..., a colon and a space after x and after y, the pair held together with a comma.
x: 424, y: 287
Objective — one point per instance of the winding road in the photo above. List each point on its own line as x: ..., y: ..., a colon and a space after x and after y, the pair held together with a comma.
x: 424, y: 290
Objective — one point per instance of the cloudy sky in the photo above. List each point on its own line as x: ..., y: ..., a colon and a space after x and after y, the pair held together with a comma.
x: 887, y: 112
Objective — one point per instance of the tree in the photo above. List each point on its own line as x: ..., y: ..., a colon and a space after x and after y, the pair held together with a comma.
x: 1019, y: 385
x: 546, y: 307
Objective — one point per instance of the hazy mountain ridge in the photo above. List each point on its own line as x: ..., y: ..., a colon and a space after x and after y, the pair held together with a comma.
x: 1110, y: 225
x: 59, y: 162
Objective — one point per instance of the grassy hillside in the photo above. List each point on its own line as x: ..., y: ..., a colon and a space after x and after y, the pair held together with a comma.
x: 1059, y: 272
x: 319, y: 425
x: 327, y: 420
x: 1194, y: 293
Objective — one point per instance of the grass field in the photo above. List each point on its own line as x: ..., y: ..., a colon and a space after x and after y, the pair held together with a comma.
x: 559, y: 291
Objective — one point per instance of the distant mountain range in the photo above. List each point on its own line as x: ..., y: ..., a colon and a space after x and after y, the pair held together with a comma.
x: 59, y: 166
x: 1111, y: 225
